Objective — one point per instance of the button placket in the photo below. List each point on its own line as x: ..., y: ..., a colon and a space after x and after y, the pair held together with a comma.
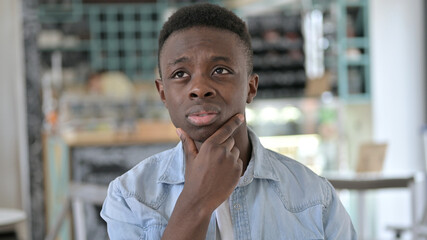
x: 239, y: 214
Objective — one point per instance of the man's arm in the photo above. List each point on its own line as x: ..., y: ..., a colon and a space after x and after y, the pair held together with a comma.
x: 336, y: 221
x: 211, y: 174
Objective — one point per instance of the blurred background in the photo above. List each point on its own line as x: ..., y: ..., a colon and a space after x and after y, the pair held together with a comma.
x: 342, y: 89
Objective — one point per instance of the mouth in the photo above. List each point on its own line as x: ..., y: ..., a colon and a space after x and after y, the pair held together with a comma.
x: 202, y: 118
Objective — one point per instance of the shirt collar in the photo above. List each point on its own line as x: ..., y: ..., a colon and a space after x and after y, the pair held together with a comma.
x: 260, y: 166
x: 262, y: 161
x: 174, y: 169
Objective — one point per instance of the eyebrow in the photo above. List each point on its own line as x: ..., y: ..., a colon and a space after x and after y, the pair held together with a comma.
x: 186, y: 59
x: 220, y: 58
x: 179, y: 60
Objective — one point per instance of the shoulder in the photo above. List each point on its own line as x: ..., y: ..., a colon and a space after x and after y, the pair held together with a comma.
x: 299, y: 186
x: 142, y: 181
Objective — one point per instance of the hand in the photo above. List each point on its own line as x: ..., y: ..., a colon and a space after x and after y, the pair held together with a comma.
x: 212, y: 172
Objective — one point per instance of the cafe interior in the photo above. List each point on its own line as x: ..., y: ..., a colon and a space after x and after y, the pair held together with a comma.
x: 342, y: 90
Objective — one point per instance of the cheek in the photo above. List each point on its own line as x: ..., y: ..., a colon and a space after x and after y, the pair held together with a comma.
x: 237, y: 101
x: 174, y: 104
x: 240, y: 94
x: 173, y: 99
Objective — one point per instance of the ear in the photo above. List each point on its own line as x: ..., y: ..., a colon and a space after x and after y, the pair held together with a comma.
x: 161, y: 91
x: 253, y: 87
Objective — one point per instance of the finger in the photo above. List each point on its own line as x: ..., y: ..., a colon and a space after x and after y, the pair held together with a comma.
x: 188, y: 144
x: 226, y: 130
x: 235, y: 152
x: 240, y: 164
x: 229, y: 144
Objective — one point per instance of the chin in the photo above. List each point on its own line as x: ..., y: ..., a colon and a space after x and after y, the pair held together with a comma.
x: 201, y: 134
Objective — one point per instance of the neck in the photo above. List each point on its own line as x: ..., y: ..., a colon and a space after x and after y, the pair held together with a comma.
x: 242, y: 143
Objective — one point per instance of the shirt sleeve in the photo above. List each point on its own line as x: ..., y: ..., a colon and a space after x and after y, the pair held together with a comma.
x: 128, y: 218
x: 336, y: 221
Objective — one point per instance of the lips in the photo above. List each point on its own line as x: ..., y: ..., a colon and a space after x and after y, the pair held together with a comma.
x: 202, y: 116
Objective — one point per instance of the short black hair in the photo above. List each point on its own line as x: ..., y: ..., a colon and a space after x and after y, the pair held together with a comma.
x: 207, y: 15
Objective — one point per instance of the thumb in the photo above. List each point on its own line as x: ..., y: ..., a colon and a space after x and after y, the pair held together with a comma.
x: 188, y: 145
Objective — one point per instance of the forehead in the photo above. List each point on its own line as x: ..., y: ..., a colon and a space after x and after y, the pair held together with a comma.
x: 201, y: 39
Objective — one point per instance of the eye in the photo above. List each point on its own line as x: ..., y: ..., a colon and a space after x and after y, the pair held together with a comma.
x: 221, y: 71
x: 180, y: 74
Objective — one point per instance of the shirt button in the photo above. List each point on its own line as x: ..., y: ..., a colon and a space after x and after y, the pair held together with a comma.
x: 236, y: 206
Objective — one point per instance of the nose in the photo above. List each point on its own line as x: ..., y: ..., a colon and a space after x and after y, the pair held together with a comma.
x: 200, y: 89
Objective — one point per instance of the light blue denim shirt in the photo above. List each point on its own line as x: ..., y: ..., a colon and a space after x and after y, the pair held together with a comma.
x: 276, y: 198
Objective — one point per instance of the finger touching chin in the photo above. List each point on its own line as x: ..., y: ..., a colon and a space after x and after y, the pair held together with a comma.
x: 201, y: 134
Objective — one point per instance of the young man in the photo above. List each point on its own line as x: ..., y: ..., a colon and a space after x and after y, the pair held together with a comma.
x: 219, y: 182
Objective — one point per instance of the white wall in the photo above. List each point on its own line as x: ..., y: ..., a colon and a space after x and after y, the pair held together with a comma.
x: 398, y: 90
x: 11, y: 103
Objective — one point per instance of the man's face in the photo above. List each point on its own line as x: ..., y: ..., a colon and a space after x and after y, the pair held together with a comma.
x: 204, y: 79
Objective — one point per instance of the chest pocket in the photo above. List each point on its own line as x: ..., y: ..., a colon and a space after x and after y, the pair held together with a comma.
x: 285, y: 225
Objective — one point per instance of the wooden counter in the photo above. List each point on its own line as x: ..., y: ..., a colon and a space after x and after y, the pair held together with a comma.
x: 146, y: 132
